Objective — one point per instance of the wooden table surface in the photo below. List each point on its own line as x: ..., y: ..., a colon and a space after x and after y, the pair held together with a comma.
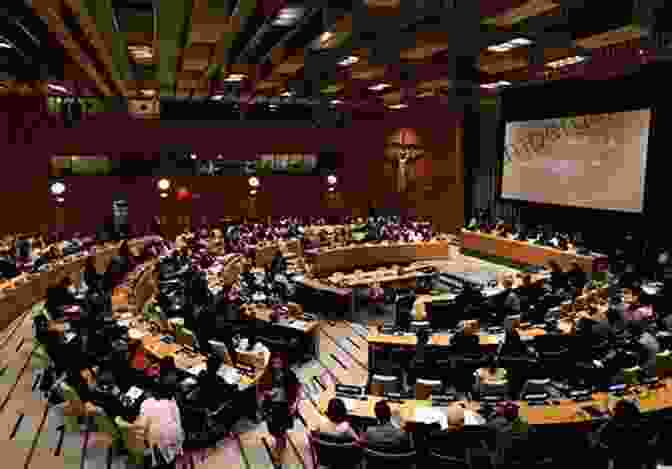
x: 365, y: 255
x: 566, y: 412
x: 525, y: 252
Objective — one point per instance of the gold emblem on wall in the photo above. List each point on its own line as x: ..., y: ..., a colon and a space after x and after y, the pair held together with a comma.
x: 404, y: 148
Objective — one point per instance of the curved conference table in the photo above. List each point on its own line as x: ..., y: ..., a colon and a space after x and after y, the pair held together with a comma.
x: 368, y: 255
x: 525, y: 252
x: 20, y: 293
x: 561, y: 411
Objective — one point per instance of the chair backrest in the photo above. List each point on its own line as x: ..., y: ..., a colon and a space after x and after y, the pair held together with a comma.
x: 426, y: 387
x: 332, y: 453
x: 383, y: 384
x: 377, y: 459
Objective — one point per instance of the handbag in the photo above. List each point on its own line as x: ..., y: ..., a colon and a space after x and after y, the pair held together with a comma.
x: 157, y: 461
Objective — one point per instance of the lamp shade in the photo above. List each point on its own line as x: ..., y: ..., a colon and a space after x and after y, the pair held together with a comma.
x: 164, y: 184
x: 57, y: 188
x: 183, y: 194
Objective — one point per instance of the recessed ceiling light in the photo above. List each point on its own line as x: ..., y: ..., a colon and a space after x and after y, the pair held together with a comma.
x: 512, y: 44
x: 141, y: 52
x: 336, y: 101
x: 288, y: 16
x: 218, y: 97
x: 398, y: 106
x: 379, y: 86
x: 496, y: 85
x: 349, y: 61
x: 567, y: 61
x: 500, y: 48
x: 193, y: 156
x: 62, y: 89
x: 520, y: 41
x: 235, y: 77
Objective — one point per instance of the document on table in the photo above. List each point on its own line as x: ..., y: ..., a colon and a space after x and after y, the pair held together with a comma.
x: 196, y: 370
x: 297, y: 324
x: 228, y: 374
x: 431, y: 415
x: 134, y: 392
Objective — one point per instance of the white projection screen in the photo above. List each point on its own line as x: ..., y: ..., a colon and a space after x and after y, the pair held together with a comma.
x: 593, y: 160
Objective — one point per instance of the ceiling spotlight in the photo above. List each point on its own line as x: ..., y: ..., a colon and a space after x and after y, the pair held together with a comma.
x: 60, y: 200
x: 193, y: 156
x: 325, y: 37
x: 336, y: 101
x: 218, y: 97
x: 379, y: 86
x: 520, y: 41
x: 253, y: 181
x: 331, y: 180
x: 164, y: 184
x: 164, y: 195
x: 500, y: 48
x: 288, y: 16
x: 351, y: 60
x: 253, y: 192
x: 331, y: 189
x: 57, y: 188
x: 567, y: 61
x: 498, y: 84
x: 512, y: 44
x: 62, y: 89
x: 141, y: 52
x: 398, y: 106
x: 235, y: 77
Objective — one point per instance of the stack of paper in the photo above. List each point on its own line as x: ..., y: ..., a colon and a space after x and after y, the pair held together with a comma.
x: 431, y: 415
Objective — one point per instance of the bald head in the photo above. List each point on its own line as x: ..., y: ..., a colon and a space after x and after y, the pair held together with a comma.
x: 455, y: 415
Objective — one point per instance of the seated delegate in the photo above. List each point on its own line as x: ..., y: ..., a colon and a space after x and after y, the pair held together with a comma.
x: 59, y: 296
x: 385, y: 436
x: 335, y: 424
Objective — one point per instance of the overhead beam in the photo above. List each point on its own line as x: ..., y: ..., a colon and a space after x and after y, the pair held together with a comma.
x: 95, y: 28
x: 173, y: 22
x: 48, y: 11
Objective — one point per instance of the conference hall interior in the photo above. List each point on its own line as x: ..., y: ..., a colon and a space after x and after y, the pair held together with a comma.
x: 335, y: 234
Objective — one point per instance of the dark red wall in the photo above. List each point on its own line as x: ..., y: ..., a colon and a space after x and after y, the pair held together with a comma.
x: 31, y: 138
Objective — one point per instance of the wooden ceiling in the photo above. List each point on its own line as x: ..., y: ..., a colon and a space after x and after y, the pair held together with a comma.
x: 186, y: 49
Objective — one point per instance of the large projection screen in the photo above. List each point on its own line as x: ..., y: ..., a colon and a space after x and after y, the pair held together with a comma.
x: 594, y: 161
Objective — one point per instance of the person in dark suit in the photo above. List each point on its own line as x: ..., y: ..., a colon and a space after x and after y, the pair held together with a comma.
x: 278, y: 264
x: 465, y: 341
x: 559, y: 280
x: 646, y: 347
x: 512, y: 345
x: 576, y: 277
x: 336, y: 423
x: 508, y: 302
x: 92, y: 278
x: 625, y: 438
x: 58, y: 296
x: 384, y: 436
